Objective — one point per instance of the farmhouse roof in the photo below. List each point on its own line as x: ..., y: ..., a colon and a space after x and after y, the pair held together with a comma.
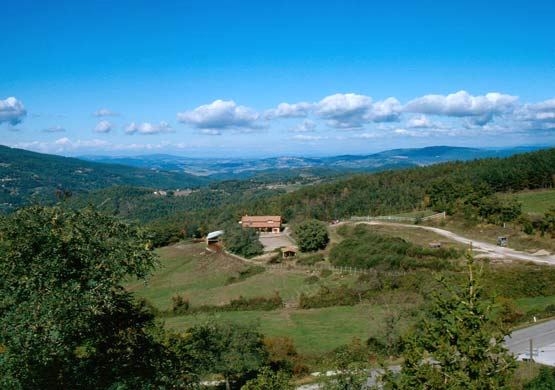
x: 261, y: 221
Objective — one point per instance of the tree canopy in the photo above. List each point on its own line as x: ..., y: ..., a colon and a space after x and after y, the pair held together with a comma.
x: 311, y: 235
x: 65, y: 320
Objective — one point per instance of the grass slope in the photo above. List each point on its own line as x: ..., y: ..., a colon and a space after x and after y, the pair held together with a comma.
x: 537, y: 202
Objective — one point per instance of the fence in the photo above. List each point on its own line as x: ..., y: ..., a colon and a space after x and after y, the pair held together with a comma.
x: 399, y: 219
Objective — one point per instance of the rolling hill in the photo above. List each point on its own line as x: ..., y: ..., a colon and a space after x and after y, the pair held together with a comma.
x: 226, y: 168
x: 27, y: 177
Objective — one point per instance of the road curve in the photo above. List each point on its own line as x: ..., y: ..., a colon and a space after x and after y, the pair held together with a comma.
x: 494, y: 250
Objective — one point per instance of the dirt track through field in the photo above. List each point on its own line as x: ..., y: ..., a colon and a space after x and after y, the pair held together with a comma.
x: 492, y: 250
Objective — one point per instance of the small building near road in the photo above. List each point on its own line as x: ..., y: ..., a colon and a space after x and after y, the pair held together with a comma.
x: 287, y: 252
x: 214, y: 237
x: 262, y: 223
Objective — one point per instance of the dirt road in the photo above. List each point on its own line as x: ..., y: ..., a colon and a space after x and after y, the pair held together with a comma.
x: 490, y: 249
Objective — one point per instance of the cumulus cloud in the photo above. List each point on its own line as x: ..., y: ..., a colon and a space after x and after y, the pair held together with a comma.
x: 104, y: 112
x: 286, y: 110
x: 103, y: 127
x: 462, y: 104
x: 538, y: 115
x: 419, y: 122
x: 12, y: 111
x: 344, y: 110
x: 148, y: 128
x: 220, y: 115
x: 54, y: 129
x: 304, y: 127
x: 350, y: 110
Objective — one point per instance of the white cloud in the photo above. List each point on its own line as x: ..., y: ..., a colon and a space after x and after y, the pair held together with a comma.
x: 346, y: 111
x: 54, y: 129
x: 305, y: 137
x: 148, y: 128
x: 286, y: 110
x: 420, y: 122
x: 387, y: 110
x: 305, y: 126
x: 103, y: 127
x: 12, y: 111
x: 220, y: 115
x: 538, y: 115
x: 104, y: 112
x: 367, y: 135
x: 462, y: 104
x: 210, y: 132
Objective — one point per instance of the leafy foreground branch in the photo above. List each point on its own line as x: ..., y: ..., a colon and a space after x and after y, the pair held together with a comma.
x: 458, y: 345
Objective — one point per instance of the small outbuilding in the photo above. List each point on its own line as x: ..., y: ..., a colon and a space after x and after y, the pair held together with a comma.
x: 289, y: 252
x: 214, y: 237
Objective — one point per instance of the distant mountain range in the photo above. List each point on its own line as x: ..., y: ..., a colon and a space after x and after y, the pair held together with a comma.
x: 27, y: 177
x: 221, y: 168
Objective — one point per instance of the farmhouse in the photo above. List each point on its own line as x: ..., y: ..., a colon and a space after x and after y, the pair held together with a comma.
x: 262, y: 223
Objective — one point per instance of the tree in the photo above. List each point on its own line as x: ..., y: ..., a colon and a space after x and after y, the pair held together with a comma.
x: 311, y: 235
x: 269, y: 380
x: 243, y: 242
x: 235, y: 351
x: 544, y: 381
x: 65, y: 320
x: 458, y: 346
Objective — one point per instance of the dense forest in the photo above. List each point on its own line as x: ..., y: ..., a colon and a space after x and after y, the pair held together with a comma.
x: 469, y: 188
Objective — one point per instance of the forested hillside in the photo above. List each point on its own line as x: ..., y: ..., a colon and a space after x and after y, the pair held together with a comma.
x: 465, y: 187
x: 33, y: 177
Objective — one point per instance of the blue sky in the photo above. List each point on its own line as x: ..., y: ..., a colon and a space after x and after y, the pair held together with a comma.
x: 251, y: 78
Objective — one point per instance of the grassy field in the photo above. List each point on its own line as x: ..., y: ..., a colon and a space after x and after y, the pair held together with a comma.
x: 202, y: 276
x: 534, y: 303
x: 314, y: 331
x: 536, y: 202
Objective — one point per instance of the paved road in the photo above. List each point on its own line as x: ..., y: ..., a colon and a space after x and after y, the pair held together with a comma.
x: 542, y: 334
x: 491, y: 249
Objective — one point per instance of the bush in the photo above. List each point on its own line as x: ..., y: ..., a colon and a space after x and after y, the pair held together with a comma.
x: 312, y: 279
x: 311, y: 235
x: 180, y: 304
x: 363, y: 248
x: 310, y: 259
x: 242, y: 242
x: 245, y: 274
x: 326, y: 297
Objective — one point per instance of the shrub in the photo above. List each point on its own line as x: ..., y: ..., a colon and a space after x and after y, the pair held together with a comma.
x: 310, y: 259
x: 312, y: 279
x: 363, y: 248
x: 242, y: 242
x: 326, y: 297
x: 180, y: 304
x: 311, y: 235
x: 251, y: 270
